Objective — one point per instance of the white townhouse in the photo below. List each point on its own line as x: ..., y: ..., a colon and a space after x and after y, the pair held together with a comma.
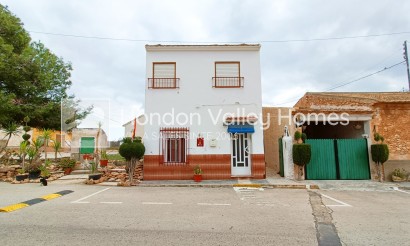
x: 203, y: 106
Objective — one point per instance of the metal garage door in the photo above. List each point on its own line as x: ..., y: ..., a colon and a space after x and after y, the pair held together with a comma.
x: 353, y: 159
x: 323, y: 162
x: 338, y: 159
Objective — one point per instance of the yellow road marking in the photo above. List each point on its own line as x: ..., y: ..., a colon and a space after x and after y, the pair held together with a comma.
x: 51, y: 196
x: 13, y: 207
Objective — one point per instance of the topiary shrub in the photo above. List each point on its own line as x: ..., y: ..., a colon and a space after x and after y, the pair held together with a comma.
x: 132, y: 151
x: 297, y: 136
x: 304, y: 137
x: 301, y: 154
x: 26, y: 136
x: 26, y: 128
x: 380, y: 154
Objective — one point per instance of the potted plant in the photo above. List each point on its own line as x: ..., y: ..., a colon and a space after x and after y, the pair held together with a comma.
x: 197, y: 173
x: 44, y: 172
x: 399, y: 175
x: 67, y: 164
x: 301, y: 153
x: 104, y: 159
x: 380, y: 154
x: 94, y: 174
x: 33, y: 170
x: 22, y: 175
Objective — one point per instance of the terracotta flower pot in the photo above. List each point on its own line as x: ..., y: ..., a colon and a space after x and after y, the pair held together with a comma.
x: 197, y: 177
x: 103, y: 163
x: 67, y: 170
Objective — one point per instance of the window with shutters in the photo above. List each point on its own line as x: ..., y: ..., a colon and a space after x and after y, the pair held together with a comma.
x: 163, y: 76
x: 227, y: 75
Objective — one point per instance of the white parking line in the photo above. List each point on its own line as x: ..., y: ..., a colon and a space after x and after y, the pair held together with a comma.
x: 397, y: 189
x: 214, y: 204
x: 343, y: 204
x: 79, y: 200
x: 157, y: 203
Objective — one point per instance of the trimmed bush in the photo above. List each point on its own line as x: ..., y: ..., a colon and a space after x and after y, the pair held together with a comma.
x: 304, y: 137
x: 297, y: 135
x: 26, y: 128
x: 132, y: 151
x: 380, y: 153
x: 301, y: 154
x: 26, y: 136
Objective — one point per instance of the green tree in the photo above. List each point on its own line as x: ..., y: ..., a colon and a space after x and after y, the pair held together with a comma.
x: 33, y: 80
x: 132, y: 151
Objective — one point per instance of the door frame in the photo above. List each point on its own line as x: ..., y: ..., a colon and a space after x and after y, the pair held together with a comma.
x: 245, y: 171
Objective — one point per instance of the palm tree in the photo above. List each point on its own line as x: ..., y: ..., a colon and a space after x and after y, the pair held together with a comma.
x: 46, y: 137
x: 10, y: 130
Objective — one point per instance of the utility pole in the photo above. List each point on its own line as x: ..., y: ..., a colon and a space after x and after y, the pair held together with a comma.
x: 406, y: 58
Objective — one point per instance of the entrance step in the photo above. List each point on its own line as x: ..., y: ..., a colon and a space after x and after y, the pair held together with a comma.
x: 75, y: 172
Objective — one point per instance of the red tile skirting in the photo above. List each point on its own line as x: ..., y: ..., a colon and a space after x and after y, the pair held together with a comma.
x: 213, y: 167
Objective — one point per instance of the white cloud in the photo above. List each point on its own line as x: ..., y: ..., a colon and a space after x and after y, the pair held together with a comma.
x: 115, y: 70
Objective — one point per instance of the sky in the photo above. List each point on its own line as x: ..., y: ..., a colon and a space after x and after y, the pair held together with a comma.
x: 109, y: 70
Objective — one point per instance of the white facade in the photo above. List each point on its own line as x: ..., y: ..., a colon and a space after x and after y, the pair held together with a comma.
x: 129, y: 127
x: 196, y: 96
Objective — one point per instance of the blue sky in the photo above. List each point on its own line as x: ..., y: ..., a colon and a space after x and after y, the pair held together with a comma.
x: 114, y: 71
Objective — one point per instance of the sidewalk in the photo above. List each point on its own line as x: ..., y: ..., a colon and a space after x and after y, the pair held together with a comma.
x: 274, y: 181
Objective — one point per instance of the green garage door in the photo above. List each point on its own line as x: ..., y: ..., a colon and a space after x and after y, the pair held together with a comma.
x: 322, y: 164
x: 353, y: 159
x: 87, y: 145
x: 338, y: 159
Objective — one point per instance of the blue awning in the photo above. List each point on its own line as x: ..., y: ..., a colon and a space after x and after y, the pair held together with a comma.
x: 246, y: 128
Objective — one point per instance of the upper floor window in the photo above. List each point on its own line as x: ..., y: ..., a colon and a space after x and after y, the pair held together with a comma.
x: 227, y: 75
x: 163, y: 76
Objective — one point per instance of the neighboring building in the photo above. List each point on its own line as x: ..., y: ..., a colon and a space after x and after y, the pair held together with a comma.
x: 129, y: 127
x: 275, y: 120
x: 221, y: 86
x: 386, y: 113
x: 84, y: 141
x: 63, y: 137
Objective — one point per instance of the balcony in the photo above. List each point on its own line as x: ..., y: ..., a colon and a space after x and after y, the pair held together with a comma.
x: 163, y: 83
x: 227, y: 82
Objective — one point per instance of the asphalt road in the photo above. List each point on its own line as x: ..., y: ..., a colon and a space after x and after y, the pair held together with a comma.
x: 199, y: 216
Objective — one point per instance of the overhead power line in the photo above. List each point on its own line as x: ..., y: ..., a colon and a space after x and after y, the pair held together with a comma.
x: 349, y: 82
x: 235, y: 42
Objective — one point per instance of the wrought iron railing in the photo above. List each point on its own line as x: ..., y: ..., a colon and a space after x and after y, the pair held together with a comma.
x: 227, y: 82
x: 163, y: 83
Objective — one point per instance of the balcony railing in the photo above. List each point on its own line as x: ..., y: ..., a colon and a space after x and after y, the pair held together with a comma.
x: 163, y: 83
x: 227, y: 82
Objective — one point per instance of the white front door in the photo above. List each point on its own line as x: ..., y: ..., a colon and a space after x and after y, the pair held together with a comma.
x: 241, y: 154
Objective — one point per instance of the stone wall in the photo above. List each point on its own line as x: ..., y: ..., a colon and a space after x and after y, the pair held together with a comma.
x: 276, y: 118
x: 393, y: 124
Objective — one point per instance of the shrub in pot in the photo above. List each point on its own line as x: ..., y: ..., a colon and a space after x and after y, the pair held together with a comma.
x: 104, y: 159
x: 197, y: 173
x: 67, y: 164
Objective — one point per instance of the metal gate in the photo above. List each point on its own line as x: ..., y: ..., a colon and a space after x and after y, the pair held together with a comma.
x: 338, y: 159
x: 281, y: 165
x: 353, y: 159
